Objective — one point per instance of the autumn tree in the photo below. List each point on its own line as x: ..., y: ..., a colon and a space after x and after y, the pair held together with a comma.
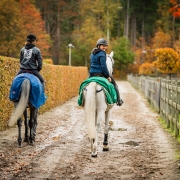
x: 147, y: 69
x: 33, y: 23
x: 17, y: 20
x: 161, y: 40
x: 85, y: 40
x: 97, y: 22
x: 12, y: 32
x: 167, y: 60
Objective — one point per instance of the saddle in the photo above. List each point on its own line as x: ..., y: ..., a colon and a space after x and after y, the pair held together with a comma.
x: 108, y: 88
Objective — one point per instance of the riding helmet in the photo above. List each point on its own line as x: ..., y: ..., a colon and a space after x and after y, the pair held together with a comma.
x: 102, y: 41
x: 31, y: 37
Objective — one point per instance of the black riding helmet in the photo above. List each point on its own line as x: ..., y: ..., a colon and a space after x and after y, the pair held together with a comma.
x: 30, y: 38
x: 101, y: 41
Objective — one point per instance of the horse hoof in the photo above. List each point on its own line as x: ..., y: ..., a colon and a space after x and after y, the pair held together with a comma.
x: 94, y: 155
x: 20, y: 146
x: 26, y: 139
x: 105, y: 148
x: 31, y: 142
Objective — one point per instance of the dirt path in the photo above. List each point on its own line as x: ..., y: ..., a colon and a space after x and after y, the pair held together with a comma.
x: 139, y: 147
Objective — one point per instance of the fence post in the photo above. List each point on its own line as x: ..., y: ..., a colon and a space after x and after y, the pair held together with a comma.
x: 172, y: 100
x: 177, y: 108
x: 162, y: 99
x: 158, y: 94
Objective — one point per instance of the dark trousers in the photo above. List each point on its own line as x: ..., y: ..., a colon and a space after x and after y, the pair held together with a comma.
x: 32, y: 71
x: 116, y: 88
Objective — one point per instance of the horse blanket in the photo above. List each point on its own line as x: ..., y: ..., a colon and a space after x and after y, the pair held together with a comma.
x: 108, y: 88
x: 37, y: 97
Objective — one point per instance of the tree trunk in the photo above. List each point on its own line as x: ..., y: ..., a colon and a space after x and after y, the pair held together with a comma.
x: 173, y: 37
x: 143, y: 40
x: 133, y: 29
x: 107, y: 20
x: 127, y: 20
x: 58, y: 35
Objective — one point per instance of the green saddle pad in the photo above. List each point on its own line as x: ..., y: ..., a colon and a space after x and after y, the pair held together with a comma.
x: 109, y: 90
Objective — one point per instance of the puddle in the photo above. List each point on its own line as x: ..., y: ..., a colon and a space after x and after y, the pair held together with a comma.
x: 131, y: 143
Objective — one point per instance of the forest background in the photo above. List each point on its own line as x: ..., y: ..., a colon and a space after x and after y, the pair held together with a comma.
x: 144, y: 35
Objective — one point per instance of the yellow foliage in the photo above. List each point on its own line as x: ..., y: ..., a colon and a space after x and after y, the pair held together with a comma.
x: 161, y: 40
x: 167, y: 60
x: 48, y: 61
x: 61, y: 84
x: 147, y: 69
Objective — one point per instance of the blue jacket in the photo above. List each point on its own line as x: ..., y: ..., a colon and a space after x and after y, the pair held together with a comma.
x: 98, y: 63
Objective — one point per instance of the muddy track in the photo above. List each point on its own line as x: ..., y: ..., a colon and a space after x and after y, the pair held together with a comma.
x: 139, y: 146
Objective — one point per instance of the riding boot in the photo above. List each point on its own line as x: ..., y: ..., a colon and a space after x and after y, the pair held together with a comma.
x: 119, y: 100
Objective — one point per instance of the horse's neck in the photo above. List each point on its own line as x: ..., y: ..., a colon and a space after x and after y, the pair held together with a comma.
x: 109, y: 65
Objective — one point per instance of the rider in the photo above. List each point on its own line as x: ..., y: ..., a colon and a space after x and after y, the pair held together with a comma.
x: 98, y: 65
x: 31, y: 58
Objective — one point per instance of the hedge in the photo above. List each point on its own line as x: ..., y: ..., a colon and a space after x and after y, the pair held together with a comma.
x: 61, y: 84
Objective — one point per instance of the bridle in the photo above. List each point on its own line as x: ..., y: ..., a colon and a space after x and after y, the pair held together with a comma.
x: 112, y: 60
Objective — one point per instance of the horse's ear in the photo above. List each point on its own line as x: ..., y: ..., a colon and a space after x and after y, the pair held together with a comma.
x: 111, y: 54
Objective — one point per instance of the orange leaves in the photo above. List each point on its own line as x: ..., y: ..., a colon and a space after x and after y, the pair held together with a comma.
x: 17, y: 19
x: 33, y: 23
x: 11, y: 26
x: 146, y: 69
x: 175, y: 9
x: 161, y: 39
x: 167, y: 60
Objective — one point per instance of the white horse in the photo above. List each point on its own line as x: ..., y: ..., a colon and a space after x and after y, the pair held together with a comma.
x: 97, y: 110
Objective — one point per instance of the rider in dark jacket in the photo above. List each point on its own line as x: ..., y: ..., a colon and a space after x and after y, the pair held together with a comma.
x: 98, y: 65
x: 30, y: 58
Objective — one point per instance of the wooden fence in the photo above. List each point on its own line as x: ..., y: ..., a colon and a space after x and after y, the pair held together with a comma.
x: 164, y: 96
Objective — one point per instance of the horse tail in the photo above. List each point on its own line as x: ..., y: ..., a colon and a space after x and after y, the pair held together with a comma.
x: 22, y: 104
x: 90, y: 109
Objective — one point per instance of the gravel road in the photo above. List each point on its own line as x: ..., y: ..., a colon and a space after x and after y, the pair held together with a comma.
x: 140, y: 148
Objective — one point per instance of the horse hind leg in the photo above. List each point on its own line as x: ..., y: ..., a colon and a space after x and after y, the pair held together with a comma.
x: 93, y: 148
x: 105, y: 143
x: 26, y: 135
x: 19, y: 123
x: 31, y: 126
x: 106, y: 129
x: 35, y: 123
